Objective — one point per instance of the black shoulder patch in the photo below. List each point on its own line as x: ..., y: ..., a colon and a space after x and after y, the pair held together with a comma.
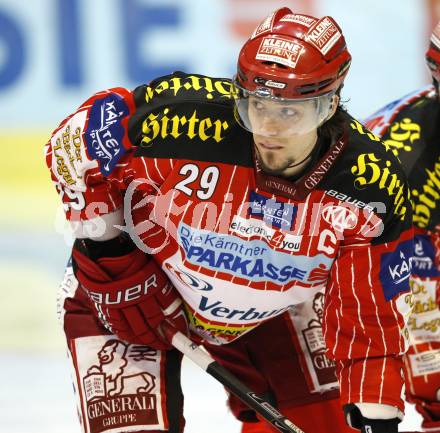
x: 414, y: 136
x: 368, y: 172
x: 188, y: 116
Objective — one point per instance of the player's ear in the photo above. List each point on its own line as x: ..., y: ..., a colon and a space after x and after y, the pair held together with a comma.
x: 333, y: 107
x: 334, y: 104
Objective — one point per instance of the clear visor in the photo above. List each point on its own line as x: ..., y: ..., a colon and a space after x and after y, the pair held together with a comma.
x: 263, y: 114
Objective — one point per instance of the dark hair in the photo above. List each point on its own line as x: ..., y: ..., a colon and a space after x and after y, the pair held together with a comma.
x: 436, y: 85
x: 335, y: 126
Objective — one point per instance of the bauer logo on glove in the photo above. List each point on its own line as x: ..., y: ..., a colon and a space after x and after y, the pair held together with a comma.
x: 131, y: 293
x: 115, y: 297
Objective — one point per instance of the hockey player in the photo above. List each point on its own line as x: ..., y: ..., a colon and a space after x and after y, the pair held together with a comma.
x: 224, y: 203
x: 410, y: 128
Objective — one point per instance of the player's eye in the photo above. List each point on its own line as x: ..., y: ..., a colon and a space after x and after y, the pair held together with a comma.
x: 290, y: 113
x: 257, y: 105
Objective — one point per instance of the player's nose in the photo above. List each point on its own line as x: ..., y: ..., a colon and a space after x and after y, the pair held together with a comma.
x: 269, y: 126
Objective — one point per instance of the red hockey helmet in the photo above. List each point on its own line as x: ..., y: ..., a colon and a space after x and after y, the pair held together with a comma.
x: 433, y: 54
x: 291, y: 58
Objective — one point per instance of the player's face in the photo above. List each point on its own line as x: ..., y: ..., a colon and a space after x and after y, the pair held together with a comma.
x: 284, y: 133
x: 284, y: 129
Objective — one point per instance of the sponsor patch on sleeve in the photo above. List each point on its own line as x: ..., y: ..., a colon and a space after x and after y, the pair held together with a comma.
x: 105, y: 131
x: 395, y: 269
x: 69, y: 159
x: 423, y: 262
x: 119, y: 385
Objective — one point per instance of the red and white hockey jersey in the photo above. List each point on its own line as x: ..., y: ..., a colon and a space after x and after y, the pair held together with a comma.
x: 169, y: 164
x: 409, y: 127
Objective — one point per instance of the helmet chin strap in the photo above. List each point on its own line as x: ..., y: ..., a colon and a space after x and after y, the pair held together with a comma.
x: 304, y: 159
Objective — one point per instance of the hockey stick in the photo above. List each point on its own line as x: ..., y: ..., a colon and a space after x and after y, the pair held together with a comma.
x: 227, y: 379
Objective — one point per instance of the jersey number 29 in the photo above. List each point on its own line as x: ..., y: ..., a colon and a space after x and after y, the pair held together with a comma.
x: 207, y: 180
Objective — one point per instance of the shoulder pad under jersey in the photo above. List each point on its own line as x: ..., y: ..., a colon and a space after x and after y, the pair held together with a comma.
x: 369, y: 175
x: 188, y: 116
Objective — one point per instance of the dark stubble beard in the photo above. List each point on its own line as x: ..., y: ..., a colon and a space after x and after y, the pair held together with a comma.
x: 280, y: 171
x: 269, y: 168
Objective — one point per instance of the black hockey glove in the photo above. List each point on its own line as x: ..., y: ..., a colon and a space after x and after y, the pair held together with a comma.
x: 355, y: 419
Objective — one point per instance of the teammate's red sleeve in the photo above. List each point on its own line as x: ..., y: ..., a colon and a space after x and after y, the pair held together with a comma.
x: 367, y: 304
x: 88, y: 156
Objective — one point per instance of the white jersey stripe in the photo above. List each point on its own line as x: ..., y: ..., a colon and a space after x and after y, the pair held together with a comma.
x: 382, y: 378
x: 157, y: 168
x: 353, y: 279
x: 364, y: 367
x: 373, y: 297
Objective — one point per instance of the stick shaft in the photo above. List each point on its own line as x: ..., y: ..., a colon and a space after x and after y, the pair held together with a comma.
x: 227, y: 379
